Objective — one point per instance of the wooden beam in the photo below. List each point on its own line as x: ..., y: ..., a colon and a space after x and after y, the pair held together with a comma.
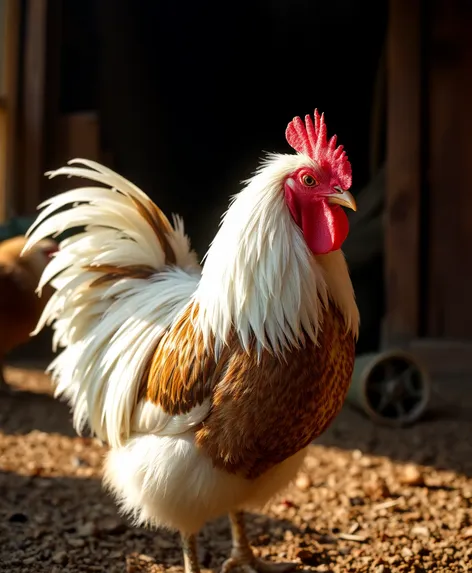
x: 53, y: 80
x: 33, y: 109
x: 4, y: 194
x: 402, y: 232
x: 450, y: 152
x: 9, y: 105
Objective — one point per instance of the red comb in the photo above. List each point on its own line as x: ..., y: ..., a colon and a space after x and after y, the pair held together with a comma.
x: 312, y: 141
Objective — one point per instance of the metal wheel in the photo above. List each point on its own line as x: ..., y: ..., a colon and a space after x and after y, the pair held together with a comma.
x: 396, y: 390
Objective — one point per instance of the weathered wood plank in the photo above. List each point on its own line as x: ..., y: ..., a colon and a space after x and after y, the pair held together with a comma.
x: 450, y: 152
x: 402, y: 232
x: 9, y: 106
x: 33, y: 108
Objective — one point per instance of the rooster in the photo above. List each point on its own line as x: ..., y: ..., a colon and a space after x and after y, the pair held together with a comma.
x: 207, y: 382
x: 20, y: 308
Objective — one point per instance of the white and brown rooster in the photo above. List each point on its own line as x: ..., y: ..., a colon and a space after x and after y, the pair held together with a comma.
x: 208, y: 383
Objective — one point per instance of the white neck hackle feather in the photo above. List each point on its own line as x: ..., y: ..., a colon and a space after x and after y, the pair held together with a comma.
x: 258, y: 277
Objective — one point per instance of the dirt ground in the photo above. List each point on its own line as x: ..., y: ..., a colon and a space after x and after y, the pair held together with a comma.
x: 371, y: 499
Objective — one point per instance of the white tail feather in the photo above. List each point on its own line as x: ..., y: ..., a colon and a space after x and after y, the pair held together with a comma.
x: 108, y: 330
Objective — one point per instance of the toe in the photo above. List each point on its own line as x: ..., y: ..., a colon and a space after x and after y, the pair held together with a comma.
x: 256, y: 566
x: 229, y: 565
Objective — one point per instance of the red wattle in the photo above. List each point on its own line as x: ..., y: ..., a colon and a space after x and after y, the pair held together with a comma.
x: 324, y: 226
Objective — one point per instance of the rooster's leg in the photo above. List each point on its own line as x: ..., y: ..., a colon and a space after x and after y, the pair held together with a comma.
x: 242, y: 556
x: 189, y: 547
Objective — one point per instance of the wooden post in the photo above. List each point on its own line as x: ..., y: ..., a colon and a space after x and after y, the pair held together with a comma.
x: 33, y: 108
x: 8, y: 105
x: 450, y: 152
x: 402, y: 232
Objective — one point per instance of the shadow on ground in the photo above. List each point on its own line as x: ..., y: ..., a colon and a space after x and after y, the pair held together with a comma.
x: 71, y: 524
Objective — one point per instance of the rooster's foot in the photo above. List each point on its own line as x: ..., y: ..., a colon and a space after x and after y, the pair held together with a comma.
x: 242, y: 556
x: 249, y: 563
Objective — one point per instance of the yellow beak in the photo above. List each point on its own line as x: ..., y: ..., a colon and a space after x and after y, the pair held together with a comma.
x: 343, y: 198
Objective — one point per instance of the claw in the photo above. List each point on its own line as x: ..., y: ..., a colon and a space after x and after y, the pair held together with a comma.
x: 254, y: 565
x: 242, y: 556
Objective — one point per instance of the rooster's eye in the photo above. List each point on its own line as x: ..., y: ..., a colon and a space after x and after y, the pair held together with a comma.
x: 309, y: 181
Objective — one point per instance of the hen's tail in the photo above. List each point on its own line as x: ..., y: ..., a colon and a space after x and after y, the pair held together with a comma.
x: 118, y: 285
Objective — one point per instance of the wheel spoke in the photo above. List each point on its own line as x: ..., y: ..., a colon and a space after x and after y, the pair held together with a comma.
x: 385, y: 401
x: 399, y: 407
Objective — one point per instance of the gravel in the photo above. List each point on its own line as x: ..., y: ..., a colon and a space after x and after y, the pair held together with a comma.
x: 370, y: 499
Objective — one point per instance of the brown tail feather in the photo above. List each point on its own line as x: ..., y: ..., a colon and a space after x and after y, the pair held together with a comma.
x: 112, y: 272
x: 160, y: 225
x: 162, y: 229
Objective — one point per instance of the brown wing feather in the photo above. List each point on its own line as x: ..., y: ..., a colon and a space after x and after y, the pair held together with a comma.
x: 181, y: 373
x: 262, y: 411
x: 266, y: 412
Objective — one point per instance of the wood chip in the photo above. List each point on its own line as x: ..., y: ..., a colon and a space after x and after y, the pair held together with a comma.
x: 420, y: 530
x: 303, y: 482
x: 354, y: 527
x: 412, y: 476
x: 353, y: 537
x: 467, y: 533
x: 388, y: 504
